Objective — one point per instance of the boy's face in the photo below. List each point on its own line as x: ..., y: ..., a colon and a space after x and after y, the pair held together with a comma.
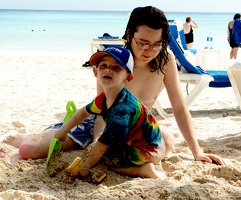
x: 110, y: 73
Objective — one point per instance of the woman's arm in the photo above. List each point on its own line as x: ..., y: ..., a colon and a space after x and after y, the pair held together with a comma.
x: 182, y: 114
x: 228, y: 32
x: 194, y: 24
x: 179, y: 107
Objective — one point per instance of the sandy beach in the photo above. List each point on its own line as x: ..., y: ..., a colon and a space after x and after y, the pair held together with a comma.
x: 35, y: 87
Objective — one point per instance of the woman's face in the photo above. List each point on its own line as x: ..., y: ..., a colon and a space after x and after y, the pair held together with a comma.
x: 142, y: 38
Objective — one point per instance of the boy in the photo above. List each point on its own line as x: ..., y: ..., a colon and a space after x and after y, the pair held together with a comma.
x: 131, y: 140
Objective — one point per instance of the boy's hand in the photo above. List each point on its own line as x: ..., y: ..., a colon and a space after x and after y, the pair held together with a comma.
x: 89, y: 148
x: 84, y: 172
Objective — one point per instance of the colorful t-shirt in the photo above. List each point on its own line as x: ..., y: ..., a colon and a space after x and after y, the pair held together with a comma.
x: 131, y: 131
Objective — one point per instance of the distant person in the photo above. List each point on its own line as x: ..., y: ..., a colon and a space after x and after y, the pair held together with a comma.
x: 234, y: 46
x: 188, y: 31
x: 131, y: 141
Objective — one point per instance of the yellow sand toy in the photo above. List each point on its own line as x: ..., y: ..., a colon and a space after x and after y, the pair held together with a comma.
x: 74, y: 168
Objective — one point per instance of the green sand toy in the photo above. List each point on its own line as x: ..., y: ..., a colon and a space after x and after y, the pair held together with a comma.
x: 55, y: 145
x: 71, y: 110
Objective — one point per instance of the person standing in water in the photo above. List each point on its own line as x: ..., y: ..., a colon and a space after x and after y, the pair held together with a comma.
x: 188, y: 31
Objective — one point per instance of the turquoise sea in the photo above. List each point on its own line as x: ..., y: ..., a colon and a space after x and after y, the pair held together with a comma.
x: 73, y: 30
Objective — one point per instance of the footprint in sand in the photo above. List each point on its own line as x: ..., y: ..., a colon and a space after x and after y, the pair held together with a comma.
x: 2, y: 152
x: 238, y: 159
x: 17, y: 124
x: 236, y: 119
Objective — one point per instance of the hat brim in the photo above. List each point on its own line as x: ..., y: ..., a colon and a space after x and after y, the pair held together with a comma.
x: 95, y: 57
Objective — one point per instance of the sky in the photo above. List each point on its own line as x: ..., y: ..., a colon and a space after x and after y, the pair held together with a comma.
x: 233, y: 6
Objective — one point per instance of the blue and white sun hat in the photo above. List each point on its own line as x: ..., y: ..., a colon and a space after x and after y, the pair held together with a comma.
x: 121, y: 55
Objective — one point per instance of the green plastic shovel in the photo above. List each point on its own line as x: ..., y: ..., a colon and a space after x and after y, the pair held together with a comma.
x: 54, y: 147
x: 71, y: 110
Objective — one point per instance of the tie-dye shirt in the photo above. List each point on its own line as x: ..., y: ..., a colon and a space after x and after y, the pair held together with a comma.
x: 130, y: 127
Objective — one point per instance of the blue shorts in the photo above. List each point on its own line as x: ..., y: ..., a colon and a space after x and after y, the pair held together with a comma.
x: 81, y: 134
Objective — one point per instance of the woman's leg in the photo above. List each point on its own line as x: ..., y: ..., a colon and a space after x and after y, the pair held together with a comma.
x: 190, y: 45
x: 235, y: 52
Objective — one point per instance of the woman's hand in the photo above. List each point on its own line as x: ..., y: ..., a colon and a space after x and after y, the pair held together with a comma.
x: 228, y: 40
x: 210, y: 158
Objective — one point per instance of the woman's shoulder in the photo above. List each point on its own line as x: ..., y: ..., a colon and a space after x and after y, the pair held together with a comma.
x: 171, y: 56
x: 171, y: 64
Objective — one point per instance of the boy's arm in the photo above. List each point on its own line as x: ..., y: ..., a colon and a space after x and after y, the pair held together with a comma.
x: 99, y: 122
x: 98, y: 128
x: 76, y: 119
x: 97, y: 152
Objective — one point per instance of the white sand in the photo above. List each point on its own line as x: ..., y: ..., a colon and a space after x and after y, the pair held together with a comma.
x: 34, y: 90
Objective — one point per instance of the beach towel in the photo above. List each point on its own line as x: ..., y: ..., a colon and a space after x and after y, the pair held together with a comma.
x: 236, y: 31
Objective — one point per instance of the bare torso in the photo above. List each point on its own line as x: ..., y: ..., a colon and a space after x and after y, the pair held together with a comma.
x: 146, y: 85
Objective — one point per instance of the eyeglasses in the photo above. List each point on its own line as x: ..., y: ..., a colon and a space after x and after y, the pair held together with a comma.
x: 146, y: 46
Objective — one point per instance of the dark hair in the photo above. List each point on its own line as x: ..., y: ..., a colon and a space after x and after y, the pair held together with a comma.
x: 155, y: 19
x: 188, y: 19
x: 236, y: 16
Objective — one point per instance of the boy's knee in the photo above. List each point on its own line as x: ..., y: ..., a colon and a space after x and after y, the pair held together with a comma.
x: 26, y: 151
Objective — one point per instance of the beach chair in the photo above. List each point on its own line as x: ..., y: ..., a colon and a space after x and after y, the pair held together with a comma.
x: 105, y: 41
x: 195, y: 75
x: 234, y: 73
x: 102, y: 42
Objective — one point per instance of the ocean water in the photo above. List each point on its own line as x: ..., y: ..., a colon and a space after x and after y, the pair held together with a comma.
x: 73, y: 30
